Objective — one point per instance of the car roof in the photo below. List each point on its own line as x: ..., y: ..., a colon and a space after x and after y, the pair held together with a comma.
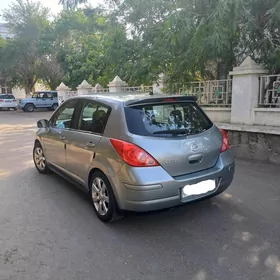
x: 45, y: 91
x: 2, y: 94
x: 131, y: 98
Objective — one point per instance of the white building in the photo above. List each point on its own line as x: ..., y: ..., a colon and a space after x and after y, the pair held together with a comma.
x: 4, y: 31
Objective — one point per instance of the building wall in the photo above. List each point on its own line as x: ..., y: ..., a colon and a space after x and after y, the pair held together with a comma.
x: 4, y: 31
x: 255, y: 146
x: 218, y: 114
x: 18, y: 93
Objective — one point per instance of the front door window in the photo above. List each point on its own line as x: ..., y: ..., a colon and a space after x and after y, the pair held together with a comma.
x: 63, y: 118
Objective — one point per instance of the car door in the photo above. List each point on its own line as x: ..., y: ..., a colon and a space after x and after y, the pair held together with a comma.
x: 38, y: 100
x: 55, y: 140
x: 49, y: 99
x: 82, y: 142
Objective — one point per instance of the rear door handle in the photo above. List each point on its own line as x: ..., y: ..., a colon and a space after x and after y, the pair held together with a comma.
x: 61, y: 137
x: 90, y: 145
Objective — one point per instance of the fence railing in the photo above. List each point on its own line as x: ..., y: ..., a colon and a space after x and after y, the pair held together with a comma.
x: 137, y: 89
x: 269, y: 93
x: 214, y: 93
x: 67, y: 95
x: 99, y: 90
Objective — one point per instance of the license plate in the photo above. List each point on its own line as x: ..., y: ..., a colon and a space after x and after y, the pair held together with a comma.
x: 8, y: 101
x: 199, y: 188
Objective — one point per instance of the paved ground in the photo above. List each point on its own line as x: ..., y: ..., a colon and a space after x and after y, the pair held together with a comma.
x: 48, y: 229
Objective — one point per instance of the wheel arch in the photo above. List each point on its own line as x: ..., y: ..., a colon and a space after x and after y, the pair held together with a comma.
x: 96, y: 169
x: 30, y: 103
x: 38, y: 141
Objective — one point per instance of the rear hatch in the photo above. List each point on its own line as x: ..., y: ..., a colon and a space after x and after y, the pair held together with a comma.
x: 176, y: 132
x: 7, y: 98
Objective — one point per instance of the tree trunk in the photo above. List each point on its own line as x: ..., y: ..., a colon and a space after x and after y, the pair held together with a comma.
x: 29, y: 87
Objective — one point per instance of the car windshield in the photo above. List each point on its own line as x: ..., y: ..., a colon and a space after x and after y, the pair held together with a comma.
x: 168, y: 120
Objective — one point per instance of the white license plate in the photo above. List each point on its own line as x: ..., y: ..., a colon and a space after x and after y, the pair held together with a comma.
x: 8, y: 101
x: 199, y: 188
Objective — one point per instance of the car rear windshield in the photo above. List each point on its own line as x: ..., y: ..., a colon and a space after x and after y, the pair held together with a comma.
x: 167, y: 120
x: 6, y: 96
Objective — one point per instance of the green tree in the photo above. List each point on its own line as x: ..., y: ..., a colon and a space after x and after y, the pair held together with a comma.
x: 182, y: 37
x: 92, y: 45
x: 2, y: 42
x: 71, y: 4
x: 22, y: 58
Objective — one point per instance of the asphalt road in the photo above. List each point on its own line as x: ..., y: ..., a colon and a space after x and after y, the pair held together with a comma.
x: 48, y: 229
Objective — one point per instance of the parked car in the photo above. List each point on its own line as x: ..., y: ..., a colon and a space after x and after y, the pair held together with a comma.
x: 136, y: 153
x: 8, y: 101
x: 40, y: 99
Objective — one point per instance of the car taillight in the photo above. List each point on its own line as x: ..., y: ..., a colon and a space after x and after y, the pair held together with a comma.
x: 224, y: 141
x: 1, y: 100
x: 132, y: 154
x: 14, y: 100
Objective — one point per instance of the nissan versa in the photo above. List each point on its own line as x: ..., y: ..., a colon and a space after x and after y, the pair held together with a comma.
x: 136, y: 153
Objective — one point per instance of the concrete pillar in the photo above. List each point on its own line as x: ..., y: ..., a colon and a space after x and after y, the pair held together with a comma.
x: 61, y: 93
x: 245, y: 91
x: 116, y: 85
x: 84, y: 88
x: 98, y: 88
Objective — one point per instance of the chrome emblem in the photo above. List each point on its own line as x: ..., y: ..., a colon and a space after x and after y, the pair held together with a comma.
x: 194, y: 147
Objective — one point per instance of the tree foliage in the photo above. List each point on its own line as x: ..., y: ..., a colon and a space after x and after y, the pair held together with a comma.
x: 138, y: 40
x: 21, y: 59
x: 183, y: 36
x: 71, y: 4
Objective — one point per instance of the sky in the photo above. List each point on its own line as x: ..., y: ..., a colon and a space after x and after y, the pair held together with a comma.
x: 52, y: 4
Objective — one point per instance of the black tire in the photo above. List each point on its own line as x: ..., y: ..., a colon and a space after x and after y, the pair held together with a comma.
x: 54, y: 106
x: 113, y: 212
x: 45, y: 169
x: 29, y: 108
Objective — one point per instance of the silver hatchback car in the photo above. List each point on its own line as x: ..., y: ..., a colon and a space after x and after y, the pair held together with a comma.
x: 135, y: 152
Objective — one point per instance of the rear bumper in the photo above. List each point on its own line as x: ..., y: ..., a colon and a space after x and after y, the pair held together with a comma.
x: 8, y: 105
x: 154, y: 189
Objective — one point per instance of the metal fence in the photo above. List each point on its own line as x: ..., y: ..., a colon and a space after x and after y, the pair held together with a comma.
x: 96, y: 90
x: 137, y: 89
x: 68, y: 94
x: 269, y: 94
x: 214, y: 93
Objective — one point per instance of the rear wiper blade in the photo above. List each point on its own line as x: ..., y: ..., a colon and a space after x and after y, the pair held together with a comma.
x: 173, y: 131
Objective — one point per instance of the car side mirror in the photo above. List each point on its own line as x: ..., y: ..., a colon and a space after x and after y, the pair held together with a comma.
x: 43, y: 123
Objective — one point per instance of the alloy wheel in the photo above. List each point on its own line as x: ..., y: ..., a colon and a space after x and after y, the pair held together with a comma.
x: 39, y: 158
x: 100, y: 196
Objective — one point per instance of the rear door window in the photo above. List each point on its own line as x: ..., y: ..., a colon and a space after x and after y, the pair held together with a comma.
x: 167, y: 120
x: 94, y: 117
